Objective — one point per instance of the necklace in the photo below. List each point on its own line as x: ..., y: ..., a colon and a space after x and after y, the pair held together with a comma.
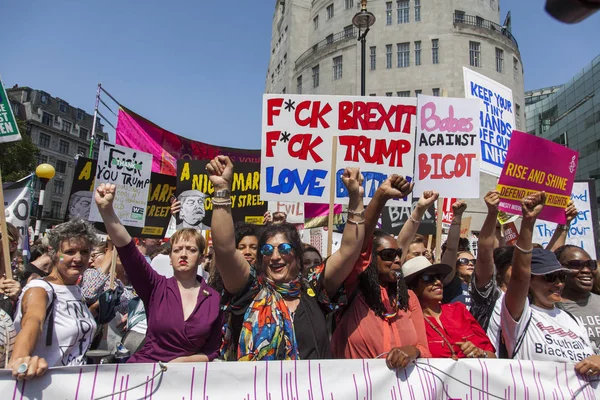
x: 389, y: 316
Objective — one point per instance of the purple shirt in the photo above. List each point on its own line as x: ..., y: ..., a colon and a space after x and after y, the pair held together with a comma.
x: 169, y: 336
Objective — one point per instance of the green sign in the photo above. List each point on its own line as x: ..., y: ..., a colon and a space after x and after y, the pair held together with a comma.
x: 9, y: 131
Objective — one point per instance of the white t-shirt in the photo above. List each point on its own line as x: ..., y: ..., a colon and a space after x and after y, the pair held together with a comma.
x: 493, y: 330
x: 552, y: 335
x: 74, y: 325
x: 7, y: 336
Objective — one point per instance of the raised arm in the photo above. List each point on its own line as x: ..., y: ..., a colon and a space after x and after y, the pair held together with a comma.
x: 451, y: 252
x: 518, y: 287
x: 484, y: 272
x: 232, y: 265
x: 559, y: 238
x: 410, y: 227
x: 340, y: 264
x: 104, y: 196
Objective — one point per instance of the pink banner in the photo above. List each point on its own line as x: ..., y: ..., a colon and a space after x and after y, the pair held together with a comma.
x: 537, y: 164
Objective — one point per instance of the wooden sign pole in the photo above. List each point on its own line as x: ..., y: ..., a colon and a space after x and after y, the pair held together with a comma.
x: 5, y: 239
x: 332, y: 181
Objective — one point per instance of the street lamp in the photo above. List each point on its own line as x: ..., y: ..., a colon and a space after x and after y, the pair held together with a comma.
x: 44, y: 172
x: 363, y: 20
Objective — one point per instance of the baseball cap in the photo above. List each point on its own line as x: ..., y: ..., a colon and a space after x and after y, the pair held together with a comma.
x: 418, y: 265
x: 544, y: 262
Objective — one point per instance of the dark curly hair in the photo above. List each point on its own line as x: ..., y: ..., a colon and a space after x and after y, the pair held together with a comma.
x: 503, y: 258
x: 243, y: 229
x: 560, y: 252
x: 292, y: 236
x: 369, y: 285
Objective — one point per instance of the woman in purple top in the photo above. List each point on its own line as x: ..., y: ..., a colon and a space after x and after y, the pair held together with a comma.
x: 184, y: 317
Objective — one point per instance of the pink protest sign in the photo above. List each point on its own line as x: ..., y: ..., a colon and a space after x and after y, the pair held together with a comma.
x: 537, y: 164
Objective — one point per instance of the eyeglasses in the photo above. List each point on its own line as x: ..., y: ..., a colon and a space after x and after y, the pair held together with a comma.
x: 431, y: 278
x: 580, y: 264
x: 93, y: 256
x: 465, y: 261
x: 560, y: 275
x: 284, y: 249
x: 389, y: 254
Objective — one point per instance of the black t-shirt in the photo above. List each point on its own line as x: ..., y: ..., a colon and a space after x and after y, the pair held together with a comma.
x: 457, y: 291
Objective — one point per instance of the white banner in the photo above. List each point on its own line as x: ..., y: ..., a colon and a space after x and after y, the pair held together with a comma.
x: 17, y: 203
x: 321, y: 379
x: 130, y: 171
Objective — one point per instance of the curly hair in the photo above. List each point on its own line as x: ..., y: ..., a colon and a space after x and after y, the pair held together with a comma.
x: 369, y: 284
x: 291, y: 234
x: 77, y: 228
x: 243, y: 229
x: 560, y: 252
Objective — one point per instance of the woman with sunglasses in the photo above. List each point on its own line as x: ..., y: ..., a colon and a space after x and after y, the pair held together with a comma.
x: 452, y: 332
x: 283, y: 313
x: 533, y: 327
x: 577, y: 296
x: 382, y: 318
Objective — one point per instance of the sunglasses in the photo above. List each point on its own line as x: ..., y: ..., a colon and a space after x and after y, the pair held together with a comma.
x: 580, y: 264
x: 560, y: 275
x: 389, y: 254
x: 284, y: 249
x: 431, y: 278
x: 465, y: 261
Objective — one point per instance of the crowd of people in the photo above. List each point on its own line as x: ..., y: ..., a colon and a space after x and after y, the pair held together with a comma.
x: 259, y: 293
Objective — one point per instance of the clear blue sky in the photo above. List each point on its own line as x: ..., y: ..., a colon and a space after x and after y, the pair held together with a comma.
x: 198, y: 68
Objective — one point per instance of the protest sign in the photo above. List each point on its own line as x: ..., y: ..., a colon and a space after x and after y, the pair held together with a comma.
x: 496, y: 118
x: 195, y: 191
x: 293, y: 210
x: 297, y: 144
x: 465, y: 227
x: 528, y: 170
x: 447, y: 146
x: 393, y: 219
x: 582, y: 231
x: 511, y: 233
x: 9, y: 130
x: 17, y: 203
x: 161, y: 188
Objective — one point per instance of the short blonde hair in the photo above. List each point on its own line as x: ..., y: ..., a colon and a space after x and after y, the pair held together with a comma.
x: 189, y: 233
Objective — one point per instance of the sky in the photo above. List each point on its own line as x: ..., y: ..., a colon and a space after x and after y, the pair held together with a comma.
x: 197, y: 68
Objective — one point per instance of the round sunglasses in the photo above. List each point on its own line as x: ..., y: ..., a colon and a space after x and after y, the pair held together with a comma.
x: 465, y: 261
x: 284, y: 249
x: 558, y: 275
x: 581, y: 264
x: 389, y: 254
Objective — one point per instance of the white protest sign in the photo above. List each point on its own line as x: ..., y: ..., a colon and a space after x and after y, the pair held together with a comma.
x: 581, y: 232
x: 293, y: 210
x: 130, y: 171
x: 447, y: 146
x: 497, y: 118
x: 17, y: 203
x: 375, y: 134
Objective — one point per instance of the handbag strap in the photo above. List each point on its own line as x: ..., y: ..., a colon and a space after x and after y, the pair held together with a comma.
x: 50, y: 314
x: 444, y: 338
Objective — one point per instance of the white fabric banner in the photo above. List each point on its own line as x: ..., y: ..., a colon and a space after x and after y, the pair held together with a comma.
x: 319, y: 379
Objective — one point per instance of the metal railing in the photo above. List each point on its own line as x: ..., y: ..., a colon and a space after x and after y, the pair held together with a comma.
x: 332, y: 39
x: 473, y: 20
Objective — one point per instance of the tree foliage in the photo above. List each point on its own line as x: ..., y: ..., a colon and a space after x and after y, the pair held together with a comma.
x: 18, y: 159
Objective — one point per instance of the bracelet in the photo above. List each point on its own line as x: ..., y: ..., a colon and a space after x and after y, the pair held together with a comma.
x: 523, y: 250
x: 357, y: 213
x: 362, y: 221
x: 414, y: 221
x: 225, y: 203
x: 216, y: 200
x: 563, y: 227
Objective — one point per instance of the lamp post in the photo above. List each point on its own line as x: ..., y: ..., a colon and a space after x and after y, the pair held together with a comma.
x: 363, y: 20
x: 44, y: 172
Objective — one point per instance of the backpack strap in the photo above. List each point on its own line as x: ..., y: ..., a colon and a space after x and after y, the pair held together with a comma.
x: 50, y: 315
x: 522, y: 338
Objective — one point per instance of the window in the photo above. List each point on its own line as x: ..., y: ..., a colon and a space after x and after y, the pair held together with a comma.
x: 329, y: 39
x: 404, y: 93
x: 388, y: 13
x: 66, y: 126
x: 44, y: 98
x: 316, y: 22
x: 44, y: 140
x: 562, y: 139
x: 330, y: 11
x: 59, y: 187
x: 42, y: 159
x: 315, y: 76
x: 518, y: 116
x: 418, y: 92
x: 459, y: 16
x: 80, y: 114
x: 56, y: 206
x: 435, y: 55
x: 349, y: 31
x: 83, y: 133
x: 499, y: 60
x: 389, y: 94
x: 337, y: 68
x: 403, y: 55
x: 435, y: 92
x: 418, y: 52
x: 403, y: 11
x: 299, y: 84
x: 63, y: 147
x: 81, y: 150
x: 47, y: 119
x: 95, y: 155
x: 61, y: 166
x: 373, y: 94
x: 417, y: 10
x: 62, y: 106
x: 373, y: 58
x: 349, y: 4
x: 388, y: 56
x: 475, y: 54
x: 516, y: 69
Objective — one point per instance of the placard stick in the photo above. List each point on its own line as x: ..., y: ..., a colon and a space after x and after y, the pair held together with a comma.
x: 5, y: 240
x: 438, y: 230
x: 429, y: 240
x: 113, y: 268
x: 331, y: 196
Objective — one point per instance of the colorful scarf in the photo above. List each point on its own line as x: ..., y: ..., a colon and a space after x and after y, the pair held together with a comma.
x: 268, y: 331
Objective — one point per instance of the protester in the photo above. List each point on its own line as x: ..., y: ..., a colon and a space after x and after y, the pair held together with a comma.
x: 577, y: 297
x: 283, y: 313
x: 54, y: 327
x: 311, y: 258
x: 452, y: 332
x: 533, y: 328
x: 161, y: 262
x: 38, y: 266
x: 184, y: 318
x: 10, y: 289
x: 147, y: 246
x: 418, y: 248
x: 382, y: 316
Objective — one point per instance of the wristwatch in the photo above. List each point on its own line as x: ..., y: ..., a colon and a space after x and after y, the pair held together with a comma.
x: 222, y: 194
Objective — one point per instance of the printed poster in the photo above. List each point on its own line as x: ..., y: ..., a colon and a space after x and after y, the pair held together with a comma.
x: 9, y: 130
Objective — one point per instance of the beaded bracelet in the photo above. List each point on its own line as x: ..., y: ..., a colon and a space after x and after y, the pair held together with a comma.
x: 523, y: 250
x: 414, y: 221
x: 357, y: 213
x: 360, y: 222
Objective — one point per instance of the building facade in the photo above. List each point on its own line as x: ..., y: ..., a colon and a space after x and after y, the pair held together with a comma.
x: 62, y: 133
x: 570, y: 115
x: 415, y: 46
